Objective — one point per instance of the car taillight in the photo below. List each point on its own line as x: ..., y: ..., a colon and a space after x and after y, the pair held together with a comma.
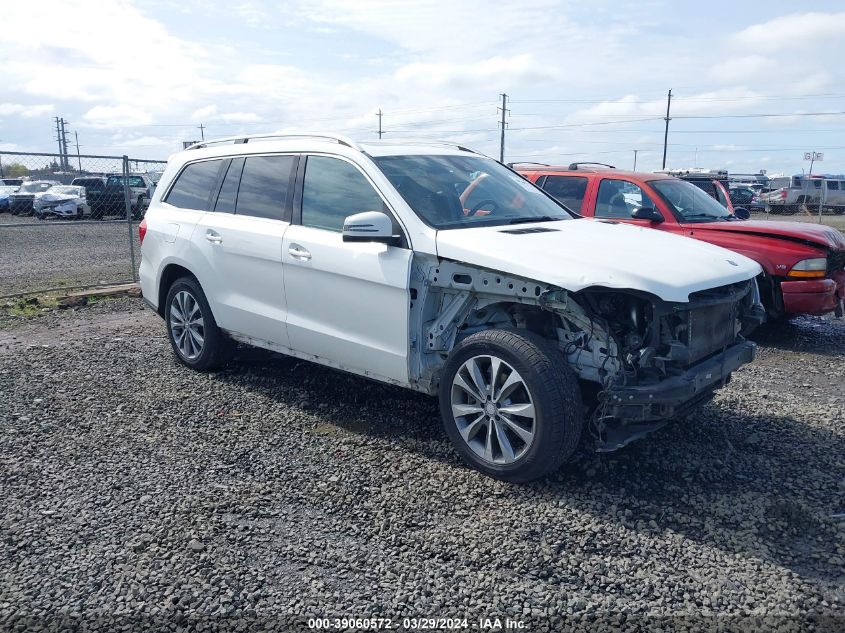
x: 142, y: 230
x: 783, y: 194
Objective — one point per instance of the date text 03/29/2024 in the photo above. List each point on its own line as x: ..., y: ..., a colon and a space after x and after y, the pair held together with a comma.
x: 416, y: 624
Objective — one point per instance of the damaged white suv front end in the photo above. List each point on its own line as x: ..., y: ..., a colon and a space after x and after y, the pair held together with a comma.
x: 435, y: 268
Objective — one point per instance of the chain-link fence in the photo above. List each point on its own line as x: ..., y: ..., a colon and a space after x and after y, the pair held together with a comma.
x: 71, y: 221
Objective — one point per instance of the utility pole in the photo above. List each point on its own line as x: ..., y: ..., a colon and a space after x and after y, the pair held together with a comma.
x: 666, y: 133
x: 635, y: 159
x: 78, y: 157
x: 59, y: 134
x: 202, y: 131
x: 379, y: 115
x: 65, y: 161
x: 504, y: 110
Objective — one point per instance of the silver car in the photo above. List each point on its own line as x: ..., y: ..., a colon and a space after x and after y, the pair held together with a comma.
x: 64, y: 201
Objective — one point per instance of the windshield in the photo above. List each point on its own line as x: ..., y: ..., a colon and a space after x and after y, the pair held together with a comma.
x: 35, y: 187
x: 450, y: 192
x: 690, y: 203
x: 134, y: 181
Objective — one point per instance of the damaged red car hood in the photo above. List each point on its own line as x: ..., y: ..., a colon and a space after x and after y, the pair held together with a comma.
x: 795, y: 231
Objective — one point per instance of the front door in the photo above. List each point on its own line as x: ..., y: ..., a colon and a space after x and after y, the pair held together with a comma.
x: 348, y: 302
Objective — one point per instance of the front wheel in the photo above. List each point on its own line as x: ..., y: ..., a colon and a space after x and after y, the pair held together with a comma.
x: 191, y: 328
x: 511, y: 405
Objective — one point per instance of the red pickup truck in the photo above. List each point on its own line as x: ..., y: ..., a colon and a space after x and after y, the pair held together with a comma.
x: 803, y: 264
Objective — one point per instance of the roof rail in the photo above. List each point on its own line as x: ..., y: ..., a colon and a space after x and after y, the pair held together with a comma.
x: 575, y: 166
x: 527, y: 162
x: 342, y: 140
x: 414, y: 141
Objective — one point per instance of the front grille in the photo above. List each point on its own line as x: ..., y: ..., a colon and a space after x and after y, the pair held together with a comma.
x: 835, y: 261
x: 711, y: 329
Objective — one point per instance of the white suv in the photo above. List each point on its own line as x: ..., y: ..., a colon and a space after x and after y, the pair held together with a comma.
x: 435, y: 268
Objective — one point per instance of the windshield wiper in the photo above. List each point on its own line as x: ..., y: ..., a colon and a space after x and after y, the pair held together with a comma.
x: 538, y: 218
x: 704, y: 216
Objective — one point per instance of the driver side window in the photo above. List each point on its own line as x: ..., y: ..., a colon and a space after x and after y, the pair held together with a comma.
x: 333, y: 190
x: 618, y: 198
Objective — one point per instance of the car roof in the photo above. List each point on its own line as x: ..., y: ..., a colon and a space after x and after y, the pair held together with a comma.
x: 559, y: 170
x: 332, y: 144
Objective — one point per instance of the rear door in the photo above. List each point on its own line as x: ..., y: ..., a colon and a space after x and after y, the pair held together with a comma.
x: 348, y: 302
x: 240, y: 239
x: 568, y: 190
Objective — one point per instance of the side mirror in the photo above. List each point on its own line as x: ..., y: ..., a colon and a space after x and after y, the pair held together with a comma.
x: 742, y: 213
x: 370, y: 226
x: 647, y: 213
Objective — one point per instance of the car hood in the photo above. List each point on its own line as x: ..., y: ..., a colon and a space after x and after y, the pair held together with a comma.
x: 794, y: 231
x: 57, y: 197
x: 577, y: 254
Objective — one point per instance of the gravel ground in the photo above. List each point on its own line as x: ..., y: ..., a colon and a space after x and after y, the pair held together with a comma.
x: 62, y: 255
x: 137, y: 492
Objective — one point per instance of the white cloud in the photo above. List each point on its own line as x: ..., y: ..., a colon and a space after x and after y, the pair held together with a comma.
x: 494, y: 72
x: 788, y: 32
x: 205, y: 112
x: 28, y: 111
x: 117, y: 116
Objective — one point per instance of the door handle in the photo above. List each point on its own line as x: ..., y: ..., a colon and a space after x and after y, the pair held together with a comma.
x: 213, y: 236
x: 298, y: 252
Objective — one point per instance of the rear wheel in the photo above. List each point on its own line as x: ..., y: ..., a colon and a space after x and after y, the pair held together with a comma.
x: 191, y: 328
x: 510, y: 404
x: 138, y: 209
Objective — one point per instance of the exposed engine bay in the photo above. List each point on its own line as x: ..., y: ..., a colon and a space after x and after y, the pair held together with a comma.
x: 640, y: 360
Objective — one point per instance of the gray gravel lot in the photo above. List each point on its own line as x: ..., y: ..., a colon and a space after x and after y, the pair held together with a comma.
x: 135, y: 491
x: 62, y: 255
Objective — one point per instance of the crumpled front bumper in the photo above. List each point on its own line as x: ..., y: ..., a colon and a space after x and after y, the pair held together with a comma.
x: 62, y: 210
x: 669, y: 397
x: 814, y: 296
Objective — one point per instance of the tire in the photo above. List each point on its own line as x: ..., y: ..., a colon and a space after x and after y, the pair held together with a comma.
x: 545, y: 383
x: 215, y: 350
x: 80, y: 213
x: 138, y: 209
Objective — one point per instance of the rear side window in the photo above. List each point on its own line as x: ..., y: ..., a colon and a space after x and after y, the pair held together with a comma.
x: 334, y: 189
x: 833, y: 185
x: 229, y: 189
x: 263, y: 190
x: 568, y: 190
x: 193, y: 187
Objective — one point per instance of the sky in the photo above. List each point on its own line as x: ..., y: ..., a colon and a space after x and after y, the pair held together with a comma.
x: 585, y: 81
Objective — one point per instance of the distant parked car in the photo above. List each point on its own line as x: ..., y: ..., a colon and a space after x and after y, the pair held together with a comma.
x: 744, y: 196
x: 64, y: 201
x: 788, y: 194
x: 803, y: 264
x: 91, y: 183
x: 11, y: 182
x: 713, y: 182
x: 111, y: 200
x: 6, y: 192
x: 22, y: 201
